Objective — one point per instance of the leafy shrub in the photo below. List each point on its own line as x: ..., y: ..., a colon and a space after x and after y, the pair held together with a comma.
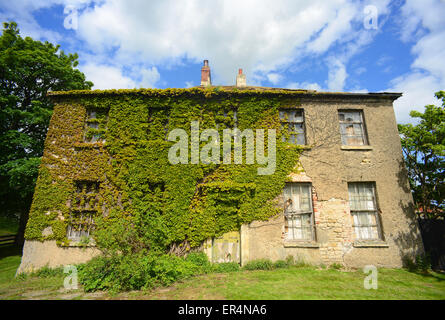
x: 423, y: 262
x: 260, y: 264
x: 200, y: 259
x: 279, y: 264
x: 420, y: 263
x: 225, y: 267
x: 139, y: 271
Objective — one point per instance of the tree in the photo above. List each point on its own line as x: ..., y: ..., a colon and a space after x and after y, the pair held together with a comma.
x: 28, y: 70
x: 424, y: 150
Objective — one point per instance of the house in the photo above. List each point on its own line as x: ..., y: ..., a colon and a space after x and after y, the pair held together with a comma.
x: 337, y: 191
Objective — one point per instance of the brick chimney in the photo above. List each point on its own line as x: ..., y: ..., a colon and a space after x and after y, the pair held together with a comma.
x: 241, y: 79
x: 206, y: 79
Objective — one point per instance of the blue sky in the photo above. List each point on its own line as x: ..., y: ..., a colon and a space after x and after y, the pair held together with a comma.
x: 337, y: 45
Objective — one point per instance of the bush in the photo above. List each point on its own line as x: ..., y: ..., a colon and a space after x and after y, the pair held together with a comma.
x: 279, y: 264
x: 225, y: 267
x: 260, y: 264
x: 423, y: 262
x: 420, y: 263
x: 139, y: 271
x: 200, y: 259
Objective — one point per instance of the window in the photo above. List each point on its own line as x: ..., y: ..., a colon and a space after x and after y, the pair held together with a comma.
x: 95, y: 126
x: 298, y: 211
x: 83, y: 210
x: 352, y: 128
x: 81, y: 224
x: 292, y: 120
x: 363, y: 204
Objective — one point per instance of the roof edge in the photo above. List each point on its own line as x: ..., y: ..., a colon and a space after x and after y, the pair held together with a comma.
x: 215, y: 90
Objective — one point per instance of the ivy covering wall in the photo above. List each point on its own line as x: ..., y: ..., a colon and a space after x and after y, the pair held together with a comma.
x: 142, y: 201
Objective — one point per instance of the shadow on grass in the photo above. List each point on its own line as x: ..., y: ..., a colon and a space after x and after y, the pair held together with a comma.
x: 438, y: 275
x: 11, y: 250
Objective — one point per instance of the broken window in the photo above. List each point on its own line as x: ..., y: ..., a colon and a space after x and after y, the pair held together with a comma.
x: 292, y: 120
x: 83, y: 210
x: 298, y: 211
x: 352, y: 128
x: 363, y: 204
x: 95, y: 126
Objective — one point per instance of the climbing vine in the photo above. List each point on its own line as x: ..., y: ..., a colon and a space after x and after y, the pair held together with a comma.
x: 140, y: 200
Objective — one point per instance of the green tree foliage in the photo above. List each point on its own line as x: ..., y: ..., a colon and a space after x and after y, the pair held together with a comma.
x: 28, y: 70
x: 424, y: 150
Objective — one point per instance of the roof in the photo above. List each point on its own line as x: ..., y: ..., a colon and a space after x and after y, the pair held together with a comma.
x: 215, y: 90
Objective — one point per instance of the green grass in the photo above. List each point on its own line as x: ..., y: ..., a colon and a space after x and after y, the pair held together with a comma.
x: 307, y: 283
x: 304, y: 282
x: 25, y: 287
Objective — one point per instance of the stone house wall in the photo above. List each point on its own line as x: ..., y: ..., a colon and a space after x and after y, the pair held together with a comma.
x: 328, y: 166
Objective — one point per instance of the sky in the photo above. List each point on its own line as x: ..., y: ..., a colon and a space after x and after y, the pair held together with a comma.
x: 335, y: 45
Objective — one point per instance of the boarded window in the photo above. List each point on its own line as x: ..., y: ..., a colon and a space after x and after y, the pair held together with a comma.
x: 363, y: 204
x: 83, y: 210
x: 352, y: 128
x: 292, y: 120
x: 298, y: 211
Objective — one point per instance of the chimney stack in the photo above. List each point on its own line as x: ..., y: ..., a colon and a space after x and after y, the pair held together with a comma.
x: 206, y: 79
x: 241, y: 79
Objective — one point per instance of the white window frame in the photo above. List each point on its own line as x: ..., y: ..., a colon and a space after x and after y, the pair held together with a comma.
x: 367, y: 209
x: 360, y: 123
x: 296, y: 216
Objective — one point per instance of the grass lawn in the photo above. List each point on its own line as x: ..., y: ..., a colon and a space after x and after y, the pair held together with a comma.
x: 290, y: 283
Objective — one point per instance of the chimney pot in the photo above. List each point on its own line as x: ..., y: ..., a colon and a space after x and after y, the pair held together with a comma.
x: 206, y: 79
x: 241, y: 79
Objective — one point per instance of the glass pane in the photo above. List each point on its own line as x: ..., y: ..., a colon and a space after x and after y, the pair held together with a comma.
x: 297, y: 198
x: 93, y: 125
x: 301, y: 139
x: 361, y: 196
x: 350, y: 116
x: 293, y: 139
x: 295, y: 116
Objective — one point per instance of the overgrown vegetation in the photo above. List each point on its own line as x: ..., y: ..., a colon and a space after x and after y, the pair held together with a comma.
x: 143, y: 202
x: 149, y: 270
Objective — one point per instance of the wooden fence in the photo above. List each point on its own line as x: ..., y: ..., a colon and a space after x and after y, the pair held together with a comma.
x: 7, y: 240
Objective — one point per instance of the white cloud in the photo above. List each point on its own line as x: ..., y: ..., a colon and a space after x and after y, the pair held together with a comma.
x: 107, y: 77
x: 149, y: 77
x: 274, y: 78
x: 21, y: 11
x: 418, y: 90
x: 304, y: 85
x: 259, y: 37
x: 337, y: 75
x: 424, y: 25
